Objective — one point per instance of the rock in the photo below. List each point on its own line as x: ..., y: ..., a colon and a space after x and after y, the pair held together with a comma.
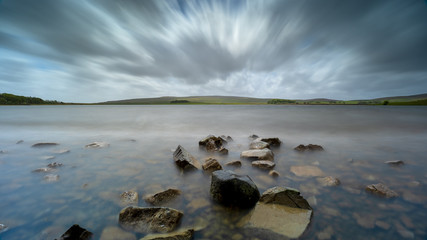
x: 285, y: 196
x: 258, y: 145
x: 273, y: 213
x: 381, y: 190
x: 253, y: 136
x: 307, y: 171
x: 162, y: 197
x: 227, y: 138
x: 44, y: 169
x: 54, y: 165
x: 329, y: 181
x: 274, y: 142
x: 51, y: 178
x: 312, y: 201
x: 47, y: 157
x: 20, y: 141
x: 309, y: 147
x: 146, y: 219
x: 181, y: 235
x: 184, y: 159
x: 260, y: 154
x: 129, y: 197
x: 394, y: 163
x: 274, y: 173
x: 3, y: 228
x: 236, y: 163
x: 75, y: 232
x: 223, y: 150
x: 116, y: 233
x: 211, y: 164
x: 61, y: 151
x: 197, y: 204
x: 97, y: 145
x: 212, y: 143
x: 263, y: 164
x: 230, y: 189
x: 44, y: 144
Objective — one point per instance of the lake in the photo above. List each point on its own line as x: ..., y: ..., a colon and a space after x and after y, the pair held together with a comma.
x: 357, y: 141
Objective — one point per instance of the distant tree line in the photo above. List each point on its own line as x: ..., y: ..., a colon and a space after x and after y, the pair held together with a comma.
x: 10, y: 99
x: 280, y: 101
x: 179, y: 101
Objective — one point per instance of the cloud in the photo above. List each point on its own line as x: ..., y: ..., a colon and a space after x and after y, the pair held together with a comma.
x: 88, y: 51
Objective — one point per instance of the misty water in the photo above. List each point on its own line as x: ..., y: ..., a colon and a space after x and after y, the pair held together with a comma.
x: 357, y: 141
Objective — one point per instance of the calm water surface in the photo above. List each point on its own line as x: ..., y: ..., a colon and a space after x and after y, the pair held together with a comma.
x: 357, y: 141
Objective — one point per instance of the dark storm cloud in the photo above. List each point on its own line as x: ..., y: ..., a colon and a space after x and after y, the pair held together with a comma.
x: 289, y: 49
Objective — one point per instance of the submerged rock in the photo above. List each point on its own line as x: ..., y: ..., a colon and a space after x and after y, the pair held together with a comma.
x: 44, y: 169
x: 211, y: 164
x: 227, y: 138
x: 181, y: 235
x: 263, y: 164
x: 116, y: 233
x: 307, y: 171
x: 3, y: 228
x: 51, y: 178
x: 381, y: 190
x: 212, y: 143
x: 20, y: 141
x: 309, y: 147
x: 274, y: 142
x: 260, y: 154
x: 97, y: 145
x: 75, y: 232
x: 184, y: 159
x: 236, y: 163
x: 253, y: 136
x: 230, y: 189
x: 258, y: 145
x: 280, y: 210
x: 162, y: 197
x: 129, y: 197
x: 61, y: 151
x: 44, y: 144
x: 274, y: 173
x: 395, y: 163
x: 146, y: 220
x: 329, y: 181
x: 54, y: 165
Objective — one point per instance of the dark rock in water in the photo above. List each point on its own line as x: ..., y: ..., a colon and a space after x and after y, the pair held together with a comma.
x: 146, y: 220
x: 253, y: 136
x: 259, y: 154
x: 44, y: 144
x: 234, y: 190
x: 274, y: 142
x: 51, y: 178
x: 20, y: 141
x: 44, y: 169
x: 329, y: 181
x: 381, y: 190
x: 263, y: 164
x: 285, y: 196
x: 211, y: 164
x: 3, y: 228
x: 54, y: 165
x: 281, y: 211
x: 162, y: 197
x: 184, y: 159
x: 181, y: 235
x: 129, y: 197
x: 309, y: 147
x: 395, y: 163
x: 223, y: 151
x: 212, y: 143
x: 256, y: 144
x: 97, y: 145
x: 227, y: 138
x: 274, y: 173
x: 75, y: 232
x: 236, y: 163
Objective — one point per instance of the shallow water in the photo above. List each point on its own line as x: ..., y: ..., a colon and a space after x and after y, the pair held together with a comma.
x: 357, y: 141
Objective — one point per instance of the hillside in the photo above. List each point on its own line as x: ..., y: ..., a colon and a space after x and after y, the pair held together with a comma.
x: 192, y: 100
x: 11, y: 99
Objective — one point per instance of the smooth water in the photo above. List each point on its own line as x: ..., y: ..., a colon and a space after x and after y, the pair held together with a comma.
x: 357, y: 141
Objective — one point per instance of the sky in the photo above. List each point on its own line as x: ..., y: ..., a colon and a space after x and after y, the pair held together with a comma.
x: 93, y: 51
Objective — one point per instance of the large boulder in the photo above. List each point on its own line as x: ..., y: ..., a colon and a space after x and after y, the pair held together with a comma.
x: 184, y: 159
x: 234, y: 190
x: 146, y: 219
x: 259, y: 154
x: 280, y: 211
x: 211, y: 164
x: 75, y: 232
x: 212, y: 143
x: 162, y: 197
x: 181, y: 235
x: 381, y: 190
